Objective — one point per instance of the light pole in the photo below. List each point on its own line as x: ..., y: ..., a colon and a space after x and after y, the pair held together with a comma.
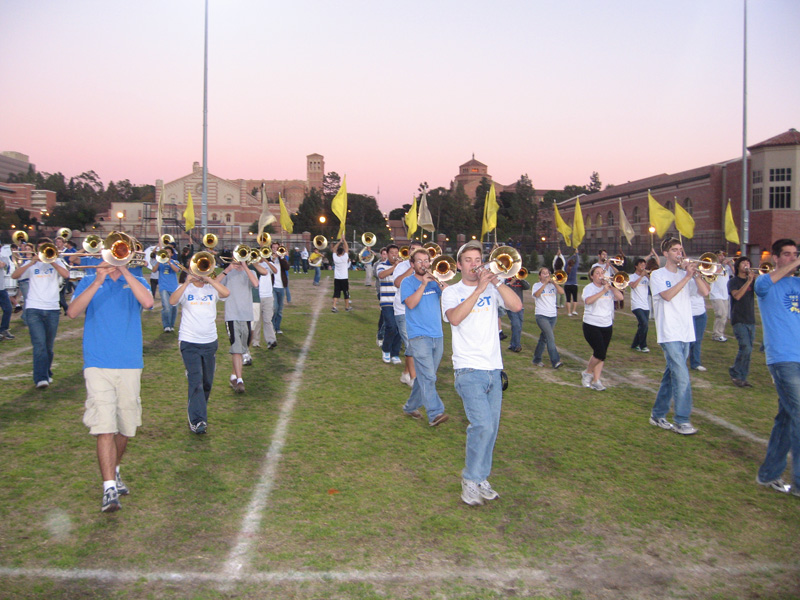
x: 652, y: 230
x: 120, y: 214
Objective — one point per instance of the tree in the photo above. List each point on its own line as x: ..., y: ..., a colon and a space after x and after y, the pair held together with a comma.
x: 331, y: 183
x: 399, y: 213
x: 594, y: 183
x: 314, y: 206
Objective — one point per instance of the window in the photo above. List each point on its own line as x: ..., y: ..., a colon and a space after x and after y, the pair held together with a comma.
x: 635, y: 214
x: 687, y: 204
x: 610, y: 219
x: 214, y: 216
x: 668, y: 205
x: 228, y: 199
x: 780, y: 196
x: 757, y: 177
x: 780, y: 174
x: 758, y: 198
x: 599, y: 222
x: 228, y: 217
x: 588, y: 223
x: 173, y: 199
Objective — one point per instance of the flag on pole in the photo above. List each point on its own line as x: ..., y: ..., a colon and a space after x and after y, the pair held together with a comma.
x: 188, y: 214
x: 578, y: 231
x: 424, y: 219
x: 490, y: 209
x: 561, y: 226
x: 625, y: 225
x: 339, y: 206
x: 286, y: 219
x: 684, y: 221
x: 266, y: 217
x: 731, y: 233
x: 411, y: 218
x: 160, y: 212
x: 660, y: 217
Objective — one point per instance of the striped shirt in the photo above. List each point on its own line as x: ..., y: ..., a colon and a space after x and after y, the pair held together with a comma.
x: 388, y: 291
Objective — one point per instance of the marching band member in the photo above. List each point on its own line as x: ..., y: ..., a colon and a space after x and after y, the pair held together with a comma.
x: 238, y: 314
x: 545, y: 293
x: 470, y: 306
x: 598, y: 320
x: 402, y: 270
x: 391, y: 336
x: 743, y: 319
x: 341, y: 283
x: 168, y: 282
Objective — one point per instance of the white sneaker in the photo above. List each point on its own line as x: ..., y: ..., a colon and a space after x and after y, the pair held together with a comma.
x: 470, y: 493
x: 597, y: 385
x: 486, y: 491
x: 586, y: 379
x: 387, y: 357
x: 42, y: 384
x: 684, y: 428
x: 247, y: 359
x: 700, y: 368
x: 396, y: 360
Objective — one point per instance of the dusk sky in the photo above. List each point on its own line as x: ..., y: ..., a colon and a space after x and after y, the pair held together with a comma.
x: 393, y: 94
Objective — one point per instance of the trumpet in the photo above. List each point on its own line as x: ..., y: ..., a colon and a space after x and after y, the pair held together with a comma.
x: 618, y: 260
x: 522, y: 273
x: 19, y: 237
x: 320, y: 242
x: 443, y: 268
x: 281, y: 252
x: 264, y: 238
x: 433, y: 249
x: 504, y: 262
x: 619, y: 281
x: 366, y: 255
x: 404, y: 253
x: 707, y: 264
x: 368, y: 239
x: 64, y: 233
x: 166, y: 240
x: 315, y: 259
x: 210, y: 241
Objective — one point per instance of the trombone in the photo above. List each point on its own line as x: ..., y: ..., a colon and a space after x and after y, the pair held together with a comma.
x: 433, y: 249
x: 707, y: 264
x: 765, y: 268
x: 504, y: 261
x: 443, y: 268
x: 210, y: 241
x: 618, y: 260
x: 619, y: 281
x: 281, y: 252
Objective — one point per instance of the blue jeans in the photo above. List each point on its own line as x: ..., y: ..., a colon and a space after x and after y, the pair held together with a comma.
x: 277, y: 309
x: 697, y: 345
x: 546, y: 338
x: 675, y: 384
x: 168, y: 312
x: 516, y: 319
x: 5, y: 306
x: 286, y: 288
x: 43, y: 326
x: 745, y: 334
x: 23, y: 287
x: 785, y: 434
x: 482, y: 395
x: 642, y: 318
x: 391, y: 335
x: 400, y: 321
x: 200, y: 362
x: 316, y: 274
x: 427, y: 356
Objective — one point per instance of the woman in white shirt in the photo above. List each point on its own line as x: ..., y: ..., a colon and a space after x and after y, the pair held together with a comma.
x: 545, y: 294
x: 598, y: 320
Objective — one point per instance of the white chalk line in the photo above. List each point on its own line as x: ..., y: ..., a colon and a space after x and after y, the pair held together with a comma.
x: 238, y: 560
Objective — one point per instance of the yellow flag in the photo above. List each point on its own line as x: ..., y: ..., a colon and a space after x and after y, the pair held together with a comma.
x: 684, y: 221
x: 339, y: 206
x: 578, y: 230
x: 286, y: 219
x: 731, y: 233
x: 562, y: 227
x: 660, y: 217
x: 411, y: 217
x: 188, y: 214
x: 490, y: 209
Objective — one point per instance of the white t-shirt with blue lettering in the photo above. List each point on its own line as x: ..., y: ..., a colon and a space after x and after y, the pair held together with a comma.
x: 546, y: 302
x: 674, y: 321
x: 476, y: 343
x: 198, y: 314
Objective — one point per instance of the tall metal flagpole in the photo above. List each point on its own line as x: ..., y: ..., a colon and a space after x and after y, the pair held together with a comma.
x: 745, y: 212
x: 204, y: 209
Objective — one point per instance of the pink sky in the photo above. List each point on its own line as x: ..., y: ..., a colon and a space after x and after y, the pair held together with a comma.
x: 393, y: 95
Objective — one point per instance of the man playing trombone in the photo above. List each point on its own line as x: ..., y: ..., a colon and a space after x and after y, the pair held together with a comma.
x: 341, y: 282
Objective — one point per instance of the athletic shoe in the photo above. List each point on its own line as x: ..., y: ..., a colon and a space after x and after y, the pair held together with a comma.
x: 538, y: 363
x: 738, y: 382
x: 387, y: 358
x: 700, y: 368
x: 597, y: 385
x: 349, y: 308
x: 662, y: 422
x: 644, y: 349
x: 380, y: 342
x: 684, y: 428
x: 272, y: 345
x: 257, y: 345
x: 721, y: 338
x: 795, y: 491
x: 779, y: 485
x: 558, y: 365
x: 503, y: 336
x: 486, y: 491
x: 43, y: 384
x: 166, y: 329
x: 396, y: 360
x: 247, y: 360
x: 442, y: 418
x: 110, y: 501
x: 232, y: 381
x: 746, y: 383
x: 279, y: 331
x: 201, y: 427
x: 470, y: 493
x: 414, y: 414
x: 406, y: 378
x: 239, y: 387
x: 334, y: 309
x: 586, y: 379
x: 122, y: 489
x: 637, y: 348
x: 7, y: 334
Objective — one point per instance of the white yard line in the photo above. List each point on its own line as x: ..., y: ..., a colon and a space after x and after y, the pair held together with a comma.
x: 239, y: 558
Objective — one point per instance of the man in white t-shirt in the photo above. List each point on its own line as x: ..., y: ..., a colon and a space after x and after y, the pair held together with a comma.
x: 720, y: 298
x: 470, y: 306
x: 675, y: 329
x: 640, y: 304
x: 341, y: 283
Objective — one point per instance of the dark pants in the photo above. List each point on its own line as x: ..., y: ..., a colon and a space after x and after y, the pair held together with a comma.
x: 200, y: 362
x: 642, y: 317
x: 43, y: 327
x: 391, y: 335
x: 5, y: 306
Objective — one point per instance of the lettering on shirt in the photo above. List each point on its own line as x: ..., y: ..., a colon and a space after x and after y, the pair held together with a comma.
x: 199, y: 299
x: 668, y: 284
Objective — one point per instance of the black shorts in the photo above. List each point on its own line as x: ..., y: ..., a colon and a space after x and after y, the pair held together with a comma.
x: 599, y: 338
x: 571, y: 291
x: 341, y: 286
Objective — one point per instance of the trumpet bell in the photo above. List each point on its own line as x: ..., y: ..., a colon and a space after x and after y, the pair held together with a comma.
x: 368, y: 239
x: 264, y: 238
x: 64, y: 233
x: 560, y: 277
x: 19, y: 237
x: 166, y: 240
x: 47, y: 251
x: 203, y: 264
x: 315, y: 259
x: 92, y: 244
x: 443, y: 268
x: 320, y: 242
x: 620, y: 280
x: 210, y: 240
x: 433, y: 249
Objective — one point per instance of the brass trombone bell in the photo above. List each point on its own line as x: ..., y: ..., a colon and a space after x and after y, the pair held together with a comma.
x: 203, y: 264
x: 281, y: 252
x: 162, y: 256
x: 504, y: 262
x: 264, y: 238
x: 368, y: 239
x: 118, y: 249
x: 92, y: 244
x: 522, y: 273
x: 19, y: 237
x: 443, y: 268
x: 618, y: 260
x: 265, y: 252
x: 64, y: 233
x: 559, y: 277
x: 47, y: 252
x: 321, y: 242
x: 433, y: 249
x: 707, y: 264
x: 404, y: 253
x: 166, y: 240
x: 210, y: 241
x: 241, y: 253
x: 619, y: 281
x: 766, y: 267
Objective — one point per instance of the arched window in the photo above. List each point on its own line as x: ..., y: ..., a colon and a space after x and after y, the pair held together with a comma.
x: 228, y: 199
x: 228, y: 217
x: 687, y: 204
x: 599, y: 222
x: 588, y: 223
x: 635, y: 214
x: 213, y: 216
x: 610, y: 218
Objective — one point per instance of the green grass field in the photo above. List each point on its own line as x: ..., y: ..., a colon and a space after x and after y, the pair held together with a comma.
x: 363, y: 502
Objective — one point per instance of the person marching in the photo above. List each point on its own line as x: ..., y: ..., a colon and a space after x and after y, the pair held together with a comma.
x: 598, y: 320
x: 341, y: 283
x: 470, y: 306
x: 402, y: 270
x: 517, y: 318
x: 391, y: 336
x: 198, y: 342
x: 168, y: 283
x: 640, y: 304
x: 743, y: 319
x: 238, y: 314
x: 571, y: 285
x: 545, y: 293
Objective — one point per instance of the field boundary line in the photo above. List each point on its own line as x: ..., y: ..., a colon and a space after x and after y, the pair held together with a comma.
x: 238, y: 559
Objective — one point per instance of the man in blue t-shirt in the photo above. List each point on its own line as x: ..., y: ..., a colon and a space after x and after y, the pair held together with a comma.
x: 168, y: 283
x: 778, y: 296
x: 421, y: 296
x: 112, y: 299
